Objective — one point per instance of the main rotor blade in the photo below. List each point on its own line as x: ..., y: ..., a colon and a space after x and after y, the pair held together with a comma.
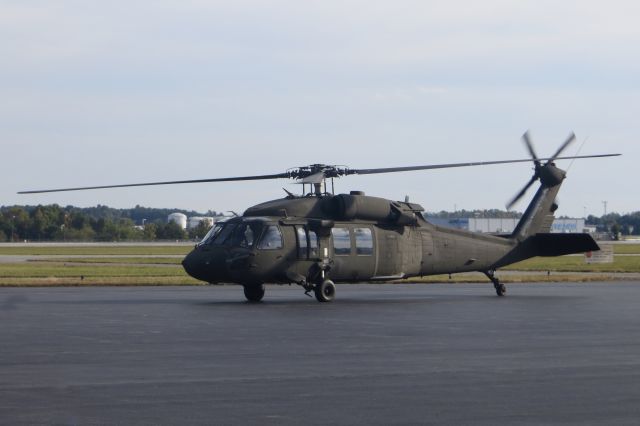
x: 174, y: 182
x: 296, y: 175
x: 523, y: 191
x: 570, y: 139
x: 452, y: 165
x: 529, y: 145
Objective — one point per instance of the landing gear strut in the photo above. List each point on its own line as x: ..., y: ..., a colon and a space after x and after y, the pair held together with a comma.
x: 501, y: 289
x: 316, y: 281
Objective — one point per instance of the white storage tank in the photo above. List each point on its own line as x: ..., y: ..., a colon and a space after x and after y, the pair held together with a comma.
x: 179, y: 218
x: 194, y: 221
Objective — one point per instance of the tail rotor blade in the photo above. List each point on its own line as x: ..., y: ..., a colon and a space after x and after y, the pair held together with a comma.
x: 529, y: 145
x: 522, y: 192
x: 564, y: 146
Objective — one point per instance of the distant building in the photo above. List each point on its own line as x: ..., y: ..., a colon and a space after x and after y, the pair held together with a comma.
x: 590, y: 229
x: 568, y: 226
x: 194, y: 221
x: 505, y: 225
x: 178, y: 218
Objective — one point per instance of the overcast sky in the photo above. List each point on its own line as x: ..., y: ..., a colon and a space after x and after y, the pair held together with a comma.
x: 95, y: 93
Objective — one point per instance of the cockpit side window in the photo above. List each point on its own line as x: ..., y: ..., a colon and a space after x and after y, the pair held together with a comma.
x: 271, y: 238
x: 307, y: 243
x: 302, y: 242
x: 244, y: 235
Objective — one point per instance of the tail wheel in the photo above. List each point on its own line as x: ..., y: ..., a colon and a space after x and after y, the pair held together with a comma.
x: 254, y: 293
x: 326, y: 291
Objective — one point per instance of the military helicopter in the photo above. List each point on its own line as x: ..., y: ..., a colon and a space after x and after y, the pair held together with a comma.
x: 318, y: 238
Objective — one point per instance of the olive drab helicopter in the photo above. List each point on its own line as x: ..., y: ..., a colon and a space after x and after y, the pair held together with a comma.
x: 317, y: 239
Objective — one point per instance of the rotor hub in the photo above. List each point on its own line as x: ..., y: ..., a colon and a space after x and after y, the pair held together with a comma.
x: 550, y: 175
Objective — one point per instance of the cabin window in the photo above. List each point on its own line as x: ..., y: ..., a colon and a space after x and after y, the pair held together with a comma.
x: 364, y: 241
x: 271, y: 239
x: 341, y: 241
x: 302, y: 242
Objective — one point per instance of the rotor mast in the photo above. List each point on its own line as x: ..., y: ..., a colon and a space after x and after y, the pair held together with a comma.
x: 316, y: 175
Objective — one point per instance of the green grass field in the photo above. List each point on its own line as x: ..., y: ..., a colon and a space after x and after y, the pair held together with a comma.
x: 626, y: 249
x: 52, y: 273
x: 576, y: 264
x: 145, y: 265
x: 144, y: 250
x: 20, y: 250
x: 542, y: 277
x: 114, y: 260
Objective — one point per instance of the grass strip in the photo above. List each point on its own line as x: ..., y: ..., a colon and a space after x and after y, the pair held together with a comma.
x: 98, y: 281
x: 120, y: 260
x: 61, y: 270
x: 19, y: 250
x: 626, y: 248
x: 576, y: 264
x: 511, y: 278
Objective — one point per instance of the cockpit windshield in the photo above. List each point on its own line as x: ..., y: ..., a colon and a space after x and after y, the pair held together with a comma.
x: 244, y: 234
x: 212, y: 234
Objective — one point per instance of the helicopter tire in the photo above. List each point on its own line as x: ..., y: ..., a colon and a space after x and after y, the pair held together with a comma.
x: 254, y: 293
x: 325, y: 291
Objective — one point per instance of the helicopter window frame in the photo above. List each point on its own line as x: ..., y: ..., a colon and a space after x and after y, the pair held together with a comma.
x: 245, y: 235
x: 302, y: 239
x: 314, y: 244
x: 341, y: 236
x: 364, y: 241
x: 212, y: 234
x: 308, y: 243
x: 224, y: 234
x: 266, y: 234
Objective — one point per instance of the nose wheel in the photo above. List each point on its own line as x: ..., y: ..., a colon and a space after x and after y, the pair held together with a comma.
x: 501, y: 289
x: 325, y: 291
x: 254, y: 293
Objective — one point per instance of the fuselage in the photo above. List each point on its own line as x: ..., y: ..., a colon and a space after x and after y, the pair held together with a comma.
x: 347, y: 237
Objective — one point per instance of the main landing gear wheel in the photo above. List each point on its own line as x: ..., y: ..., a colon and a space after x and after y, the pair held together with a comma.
x: 326, y: 291
x: 254, y: 293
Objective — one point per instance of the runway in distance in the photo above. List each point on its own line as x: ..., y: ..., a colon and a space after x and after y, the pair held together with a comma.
x: 318, y: 238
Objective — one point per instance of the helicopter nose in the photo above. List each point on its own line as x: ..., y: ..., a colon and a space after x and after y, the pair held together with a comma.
x: 206, y: 265
x: 193, y: 265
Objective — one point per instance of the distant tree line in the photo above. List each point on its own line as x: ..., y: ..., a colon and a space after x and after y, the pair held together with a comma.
x: 627, y: 224
x: 102, y: 223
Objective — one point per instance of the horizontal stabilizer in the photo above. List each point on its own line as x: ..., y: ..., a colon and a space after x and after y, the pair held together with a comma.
x: 561, y: 244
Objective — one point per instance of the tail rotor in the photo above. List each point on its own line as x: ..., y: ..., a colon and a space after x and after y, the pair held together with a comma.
x: 546, y: 172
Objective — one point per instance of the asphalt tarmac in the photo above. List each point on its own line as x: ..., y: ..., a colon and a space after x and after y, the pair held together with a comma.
x: 380, y: 354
